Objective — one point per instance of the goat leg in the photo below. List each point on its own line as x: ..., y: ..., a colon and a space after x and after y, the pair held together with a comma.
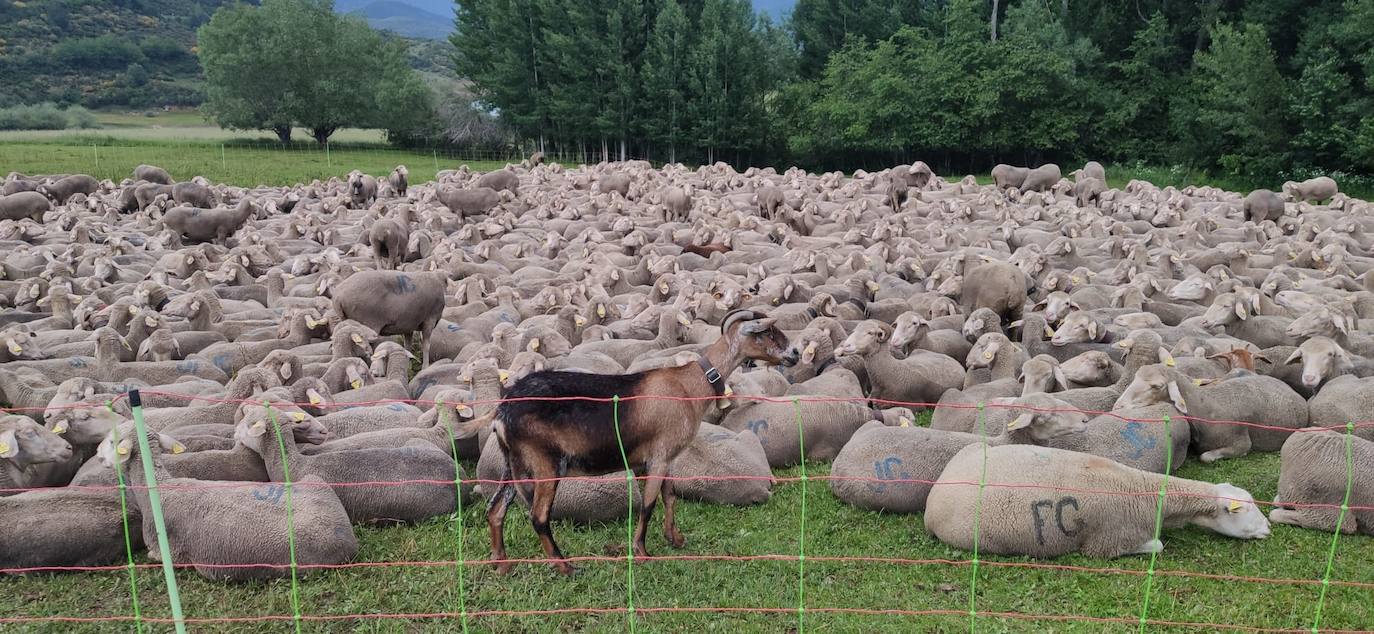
x: 496, y: 521
x: 654, y: 471
x: 670, y: 531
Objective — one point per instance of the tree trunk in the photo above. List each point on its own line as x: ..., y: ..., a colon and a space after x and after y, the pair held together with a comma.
x: 283, y: 133
x: 994, y: 20
x: 322, y: 134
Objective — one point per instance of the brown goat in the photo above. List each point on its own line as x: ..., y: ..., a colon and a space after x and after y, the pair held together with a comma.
x: 1239, y: 358
x: 546, y: 429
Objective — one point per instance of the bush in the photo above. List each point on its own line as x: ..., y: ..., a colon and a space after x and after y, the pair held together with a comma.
x: 46, y: 116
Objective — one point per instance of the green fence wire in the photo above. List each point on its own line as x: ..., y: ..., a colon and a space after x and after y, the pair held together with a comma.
x: 290, y: 515
x: 164, y: 547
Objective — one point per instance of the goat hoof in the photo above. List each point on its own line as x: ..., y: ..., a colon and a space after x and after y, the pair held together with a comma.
x: 503, y: 569
x: 677, y: 540
x: 566, y: 568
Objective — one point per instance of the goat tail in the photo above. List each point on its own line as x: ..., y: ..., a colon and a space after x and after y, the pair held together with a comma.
x: 470, y: 428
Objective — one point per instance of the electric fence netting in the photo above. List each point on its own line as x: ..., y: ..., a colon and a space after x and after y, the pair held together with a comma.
x: 797, y: 562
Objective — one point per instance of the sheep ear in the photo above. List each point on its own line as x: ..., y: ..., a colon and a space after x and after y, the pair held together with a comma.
x: 1167, y: 358
x: 1241, y: 312
x: 809, y: 352
x: 257, y: 429
x: 787, y: 291
x: 1295, y: 357
x: 1059, y: 377
x: 9, y: 445
x: 1340, y: 322
x: 1021, y: 422
x: 1092, y: 330
x: 1177, y: 397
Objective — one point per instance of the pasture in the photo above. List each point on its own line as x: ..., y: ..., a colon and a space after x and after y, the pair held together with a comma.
x: 801, y: 561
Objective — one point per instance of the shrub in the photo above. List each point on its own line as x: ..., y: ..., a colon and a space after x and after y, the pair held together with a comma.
x: 46, y: 116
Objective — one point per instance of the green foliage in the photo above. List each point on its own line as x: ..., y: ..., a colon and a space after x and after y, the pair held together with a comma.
x: 1231, y: 111
x: 262, y: 74
x: 685, y: 79
x: 45, y: 116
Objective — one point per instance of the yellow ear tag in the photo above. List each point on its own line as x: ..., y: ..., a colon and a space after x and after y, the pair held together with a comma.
x: 600, y: 310
x: 1076, y: 279
x: 534, y: 345
x: 1049, y: 332
x: 299, y: 416
x: 59, y: 429
x: 310, y: 322
x: 1169, y: 362
x: 1234, y: 506
x: 133, y: 310
x: 357, y: 383
x: 579, y: 321
x: 987, y: 355
x: 903, y: 421
x: 123, y: 451
x: 178, y: 448
x: 663, y: 287
x: 1197, y: 382
x: 15, y: 348
x: 502, y: 375
x: 358, y: 339
x: 873, y: 287
x: 314, y: 397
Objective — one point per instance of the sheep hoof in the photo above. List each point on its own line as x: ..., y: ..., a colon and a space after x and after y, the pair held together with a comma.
x: 1150, y: 547
x: 1284, y: 516
x: 1210, y: 457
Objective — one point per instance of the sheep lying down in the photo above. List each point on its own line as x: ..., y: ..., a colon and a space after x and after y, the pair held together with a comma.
x: 1039, y: 502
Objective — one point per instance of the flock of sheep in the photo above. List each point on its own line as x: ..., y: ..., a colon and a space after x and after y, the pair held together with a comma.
x: 339, y: 332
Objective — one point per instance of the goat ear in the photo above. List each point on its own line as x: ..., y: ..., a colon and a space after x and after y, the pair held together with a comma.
x: 1177, y: 397
x: 1021, y: 422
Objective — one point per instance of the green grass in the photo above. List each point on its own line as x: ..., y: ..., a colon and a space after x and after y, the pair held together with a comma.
x: 833, y: 530
x: 236, y: 164
x: 173, y: 126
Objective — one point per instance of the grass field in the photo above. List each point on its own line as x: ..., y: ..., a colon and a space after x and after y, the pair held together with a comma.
x: 177, y: 125
x: 832, y: 530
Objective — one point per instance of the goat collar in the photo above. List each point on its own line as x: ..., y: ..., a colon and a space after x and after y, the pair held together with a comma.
x: 712, y: 376
x: 162, y: 304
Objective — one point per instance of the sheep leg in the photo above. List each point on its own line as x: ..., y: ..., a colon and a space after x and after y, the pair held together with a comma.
x: 1322, y: 519
x: 1150, y: 547
x: 1225, y: 452
x: 496, y: 520
x: 670, y: 531
x: 654, y: 470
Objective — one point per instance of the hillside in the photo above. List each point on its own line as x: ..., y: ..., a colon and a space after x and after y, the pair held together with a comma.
x: 97, y: 53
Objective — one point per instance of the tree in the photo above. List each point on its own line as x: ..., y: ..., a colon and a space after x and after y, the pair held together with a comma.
x: 262, y: 74
x: 665, y: 82
x: 823, y: 26
x: 1230, y: 112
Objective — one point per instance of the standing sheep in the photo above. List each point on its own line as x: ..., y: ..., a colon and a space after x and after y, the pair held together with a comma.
x: 62, y: 189
x: 152, y: 174
x: 1041, y: 178
x: 399, y: 180
x: 999, y: 286
x: 1261, y: 205
x: 1045, y: 503
x: 1006, y: 176
x: 394, y: 303
x: 1312, y: 189
x: 22, y: 205
x: 362, y: 189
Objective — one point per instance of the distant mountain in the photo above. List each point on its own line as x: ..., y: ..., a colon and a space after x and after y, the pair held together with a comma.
x: 408, y: 18
x: 433, y: 19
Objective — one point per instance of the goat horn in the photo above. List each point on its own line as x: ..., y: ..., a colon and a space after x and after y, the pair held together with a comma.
x: 736, y: 315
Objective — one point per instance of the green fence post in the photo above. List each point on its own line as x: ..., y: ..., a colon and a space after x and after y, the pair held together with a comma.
x: 164, y: 548
x: 327, y: 159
